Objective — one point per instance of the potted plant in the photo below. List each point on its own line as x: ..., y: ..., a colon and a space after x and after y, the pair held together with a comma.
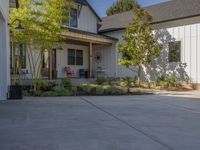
x: 15, y: 92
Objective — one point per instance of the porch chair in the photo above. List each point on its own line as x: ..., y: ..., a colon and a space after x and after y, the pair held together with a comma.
x: 82, y: 73
x: 69, y: 72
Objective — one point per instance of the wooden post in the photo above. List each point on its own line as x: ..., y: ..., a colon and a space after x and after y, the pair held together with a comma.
x: 50, y: 65
x: 90, y: 61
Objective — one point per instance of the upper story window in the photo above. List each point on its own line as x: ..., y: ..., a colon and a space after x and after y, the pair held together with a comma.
x: 73, y: 21
x: 72, y: 18
x: 174, y: 51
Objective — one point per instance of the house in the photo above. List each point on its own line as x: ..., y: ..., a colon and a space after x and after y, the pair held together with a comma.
x: 177, y: 26
x: 90, y: 46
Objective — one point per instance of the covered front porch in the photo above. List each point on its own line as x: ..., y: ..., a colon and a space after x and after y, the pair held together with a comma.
x: 80, y: 56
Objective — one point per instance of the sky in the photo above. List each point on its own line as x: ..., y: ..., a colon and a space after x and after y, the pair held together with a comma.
x: 101, y: 6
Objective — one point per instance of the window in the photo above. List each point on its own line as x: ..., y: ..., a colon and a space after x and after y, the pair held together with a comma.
x: 75, y: 57
x: 71, y: 18
x: 79, y: 57
x: 175, y: 51
x: 18, y: 55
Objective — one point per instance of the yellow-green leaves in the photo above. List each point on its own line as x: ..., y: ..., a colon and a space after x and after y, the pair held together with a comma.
x: 140, y: 45
x: 41, y: 20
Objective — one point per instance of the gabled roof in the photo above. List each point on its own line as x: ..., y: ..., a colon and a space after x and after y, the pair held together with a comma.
x: 168, y: 11
x: 85, y: 2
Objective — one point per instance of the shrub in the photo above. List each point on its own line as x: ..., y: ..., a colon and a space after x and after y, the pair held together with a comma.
x: 52, y: 93
x: 99, y: 90
x: 58, y: 91
x: 45, y: 85
x: 168, y: 81
x: 129, y: 82
x: 87, y: 88
x: 66, y: 83
x: 101, y: 80
x: 111, y: 90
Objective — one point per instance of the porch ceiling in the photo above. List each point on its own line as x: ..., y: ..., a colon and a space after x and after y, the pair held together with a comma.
x: 88, y: 37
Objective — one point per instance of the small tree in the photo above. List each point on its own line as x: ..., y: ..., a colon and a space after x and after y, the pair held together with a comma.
x: 42, y: 22
x: 120, y: 6
x: 140, y: 45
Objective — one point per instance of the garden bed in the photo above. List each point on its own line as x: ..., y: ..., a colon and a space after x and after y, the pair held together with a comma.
x: 106, y: 87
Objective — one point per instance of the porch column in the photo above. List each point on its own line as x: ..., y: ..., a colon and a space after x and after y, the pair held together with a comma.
x: 90, y: 60
x: 50, y: 65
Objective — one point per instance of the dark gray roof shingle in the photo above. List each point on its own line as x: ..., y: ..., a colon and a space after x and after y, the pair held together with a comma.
x: 168, y: 11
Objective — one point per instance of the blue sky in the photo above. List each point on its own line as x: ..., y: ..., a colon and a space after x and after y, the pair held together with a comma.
x: 101, y: 5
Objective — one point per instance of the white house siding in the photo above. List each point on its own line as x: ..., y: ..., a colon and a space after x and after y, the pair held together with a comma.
x: 108, y: 61
x: 87, y: 20
x: 4, y: 49
x: 62, y: 59
x: 120, y: 70
x: 188, y: 32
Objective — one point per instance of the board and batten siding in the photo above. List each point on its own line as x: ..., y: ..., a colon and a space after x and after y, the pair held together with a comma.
x: 120, y: 71
x: 62, y: 60
x: 188, y: 32
x: 87, y: 21
x: 4, y: 49
x: 108, y: 61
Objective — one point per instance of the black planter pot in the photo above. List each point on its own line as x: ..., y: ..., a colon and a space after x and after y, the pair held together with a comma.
x: 15, y: 92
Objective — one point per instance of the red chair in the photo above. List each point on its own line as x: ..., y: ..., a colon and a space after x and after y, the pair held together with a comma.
x: 69, y: 72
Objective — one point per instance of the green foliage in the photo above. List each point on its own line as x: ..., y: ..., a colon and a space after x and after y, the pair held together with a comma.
x: 91, y: 89
x: 101, y: 80
x: 140, y: 45
x: 87, y: 88
x: 120, y: 6
x: 42, y: 28
x: 113, y: 81
x: 112, y: 90
x: 168, y: 81
x: 41, y: 21
x: 58, y: 91
x: 100, y: 90
x: 66, y: 83
x: 129, y: 82
x: 44, y: 85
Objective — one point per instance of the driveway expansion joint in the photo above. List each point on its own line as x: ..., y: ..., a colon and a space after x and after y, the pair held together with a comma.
x: 153, y: 138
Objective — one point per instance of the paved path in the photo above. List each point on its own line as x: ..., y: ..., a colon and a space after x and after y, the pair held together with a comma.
x: 101, y: 123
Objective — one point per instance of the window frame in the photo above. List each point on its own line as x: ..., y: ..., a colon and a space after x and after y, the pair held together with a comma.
x: 178, y: 58
x: 67, y: 22
x: 76, y: 17
x: 75, y: 57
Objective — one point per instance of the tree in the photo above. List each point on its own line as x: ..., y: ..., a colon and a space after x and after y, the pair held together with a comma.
x: 120, y: 6
x: 42, y: 29
x: 140, y: 45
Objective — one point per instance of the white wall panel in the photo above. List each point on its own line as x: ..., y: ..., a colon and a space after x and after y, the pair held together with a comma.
x: 4, y: 50
x: 87, y: 20
x: 188, y: 32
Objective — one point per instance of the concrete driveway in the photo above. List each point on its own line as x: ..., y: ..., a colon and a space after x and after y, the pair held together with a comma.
x: 101, y: 123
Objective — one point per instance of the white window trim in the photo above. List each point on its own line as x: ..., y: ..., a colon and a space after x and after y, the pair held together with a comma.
x: 75, y: 56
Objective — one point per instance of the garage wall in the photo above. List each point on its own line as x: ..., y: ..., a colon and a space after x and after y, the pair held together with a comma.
x: 4, y: 50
